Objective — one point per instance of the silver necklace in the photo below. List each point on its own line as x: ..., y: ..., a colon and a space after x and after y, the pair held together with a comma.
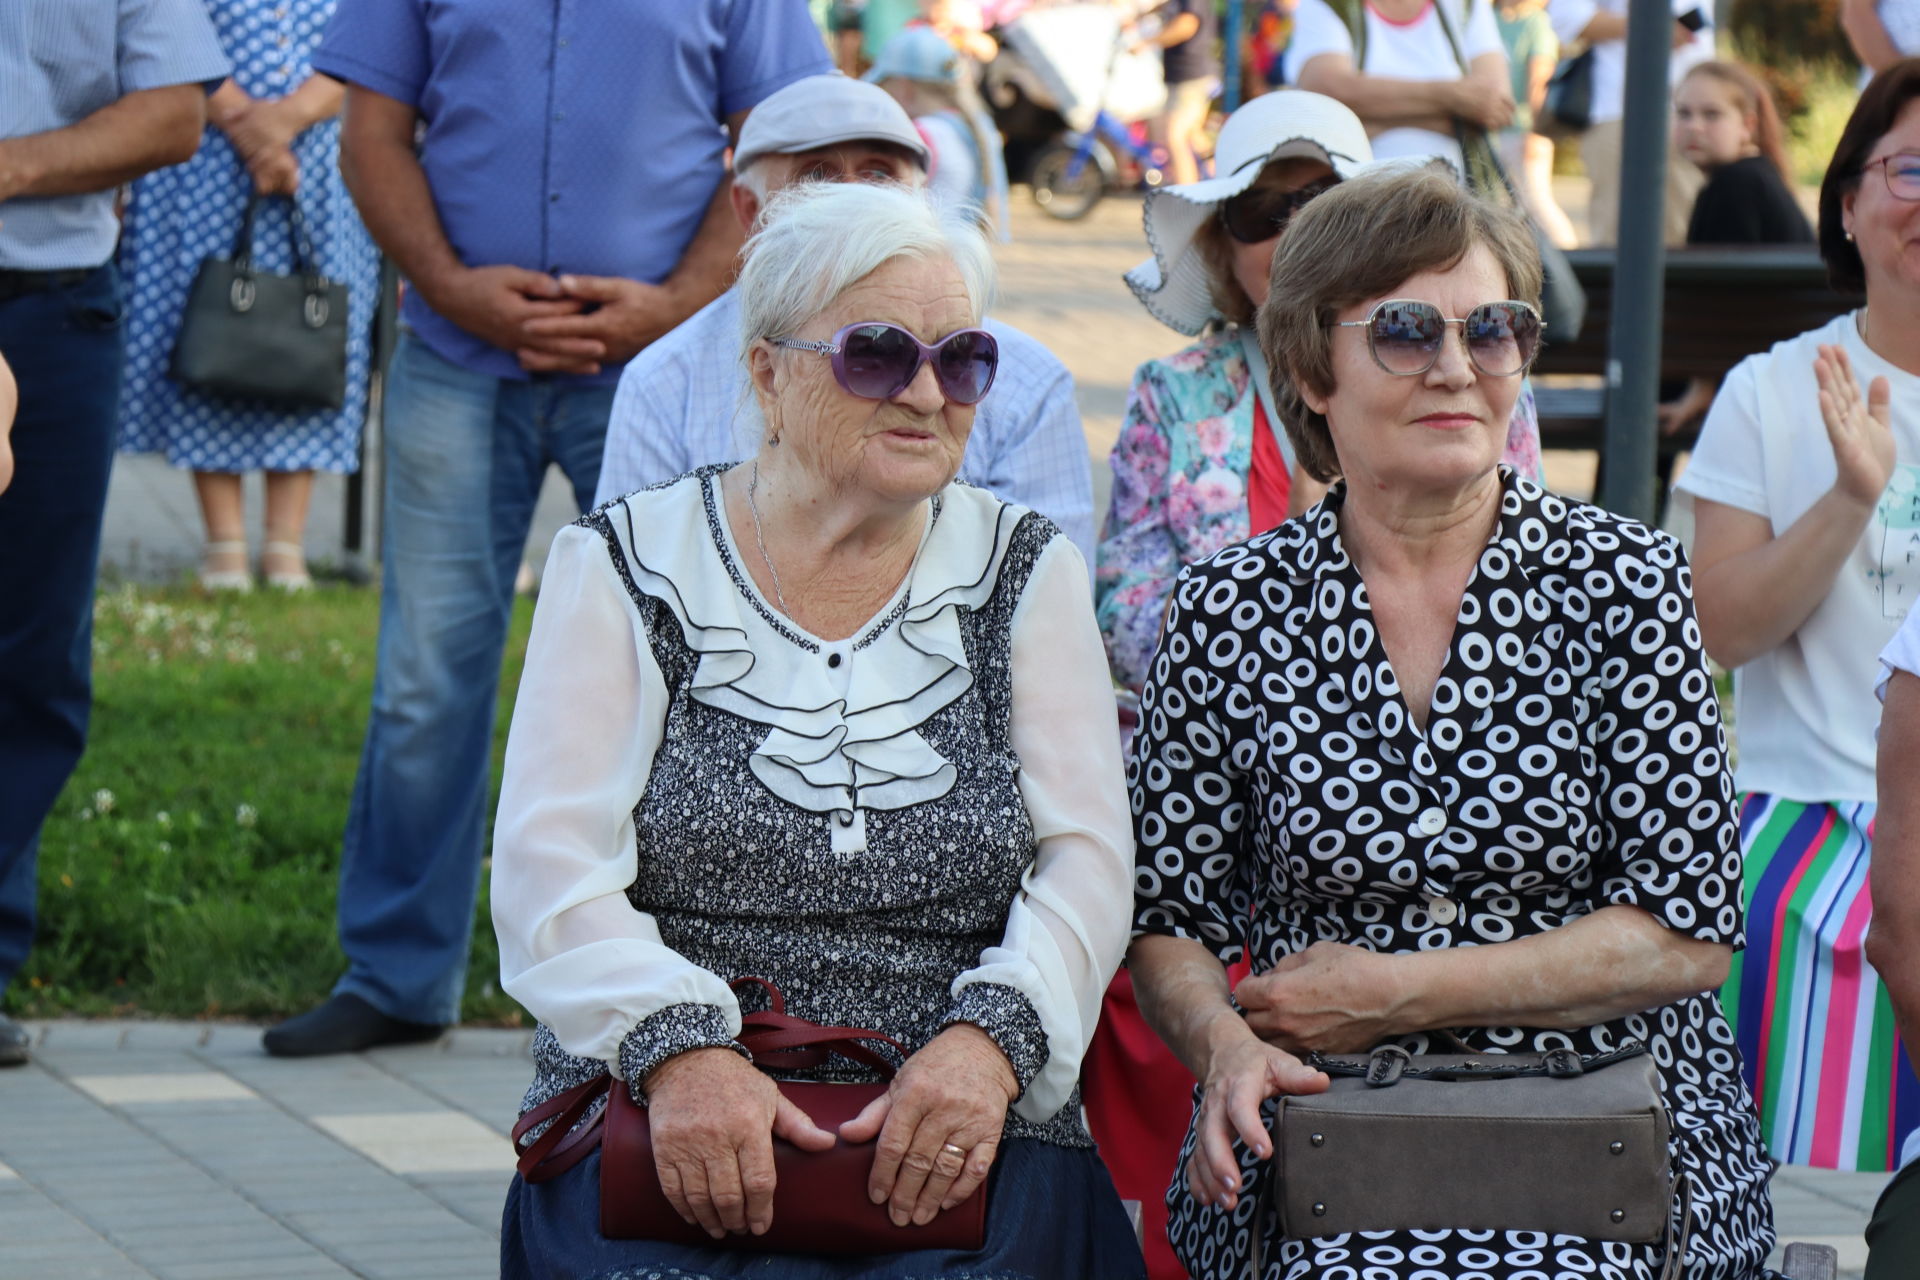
x: 761, y: 543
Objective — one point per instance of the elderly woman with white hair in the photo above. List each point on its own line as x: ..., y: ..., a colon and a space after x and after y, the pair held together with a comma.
x: 826, y: 718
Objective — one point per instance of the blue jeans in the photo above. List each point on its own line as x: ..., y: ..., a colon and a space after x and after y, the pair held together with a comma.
x: 64, y: 346
x: 465, y: 454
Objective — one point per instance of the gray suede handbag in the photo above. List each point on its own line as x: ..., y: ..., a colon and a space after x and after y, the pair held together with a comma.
x: 1548, y: 1142
x: 264, y: 335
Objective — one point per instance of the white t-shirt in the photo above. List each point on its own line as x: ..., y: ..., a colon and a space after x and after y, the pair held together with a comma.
x: 1416, y: 50
x: 1805, y: 712
x: 1570, y: 18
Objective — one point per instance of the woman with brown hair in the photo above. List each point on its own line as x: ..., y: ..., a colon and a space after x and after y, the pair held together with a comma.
x: 1443, y: 759
x: 1725, y: 123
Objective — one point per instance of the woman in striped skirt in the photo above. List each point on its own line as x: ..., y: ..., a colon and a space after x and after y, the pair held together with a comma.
x: 1806, y: 489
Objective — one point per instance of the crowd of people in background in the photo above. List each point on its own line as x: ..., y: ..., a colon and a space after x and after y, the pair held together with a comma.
x: 926, y: 664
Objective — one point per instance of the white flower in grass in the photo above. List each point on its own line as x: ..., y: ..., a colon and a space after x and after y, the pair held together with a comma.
x: 164, y: 818
x: 103, y: 801
x: 246, y: 815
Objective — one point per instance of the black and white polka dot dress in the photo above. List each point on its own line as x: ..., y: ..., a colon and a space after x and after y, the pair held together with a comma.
x: 1573, y: 758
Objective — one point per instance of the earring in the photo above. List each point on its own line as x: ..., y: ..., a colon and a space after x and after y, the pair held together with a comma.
x: 1849, y: 237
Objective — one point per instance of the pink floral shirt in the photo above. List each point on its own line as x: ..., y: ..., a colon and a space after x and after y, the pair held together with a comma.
x: 1179, y: 487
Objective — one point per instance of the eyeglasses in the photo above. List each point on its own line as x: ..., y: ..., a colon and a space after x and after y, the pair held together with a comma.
x: 1256, y: 216
x: 1902, y: 172
x: 1405, y: 336
x: 877, y: 361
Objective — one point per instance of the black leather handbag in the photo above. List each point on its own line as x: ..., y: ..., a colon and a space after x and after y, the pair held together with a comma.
x: 265, y: 335
x: 1567, y: 110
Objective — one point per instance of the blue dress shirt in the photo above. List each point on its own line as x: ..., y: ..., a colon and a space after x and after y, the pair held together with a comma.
x: 63, y: 60
x: 567, y: 136
x: 684, y: 402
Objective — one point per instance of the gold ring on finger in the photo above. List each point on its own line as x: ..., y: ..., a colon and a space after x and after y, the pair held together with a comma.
x: 948, y: 1148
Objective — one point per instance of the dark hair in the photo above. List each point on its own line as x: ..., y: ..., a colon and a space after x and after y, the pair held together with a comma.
x: 1767, y: 133
x: 1362, y: 240
x: 1873, y: 118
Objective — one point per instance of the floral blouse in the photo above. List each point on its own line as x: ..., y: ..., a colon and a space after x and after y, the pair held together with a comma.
x: 1179, y: 486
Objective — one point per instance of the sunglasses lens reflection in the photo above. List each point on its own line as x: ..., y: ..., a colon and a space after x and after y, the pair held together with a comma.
x: 1502, y: 337
x: 1406, y: 336
x: 967, y: 364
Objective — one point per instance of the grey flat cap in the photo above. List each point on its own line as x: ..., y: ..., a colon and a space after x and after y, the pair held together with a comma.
x: 820, y: 111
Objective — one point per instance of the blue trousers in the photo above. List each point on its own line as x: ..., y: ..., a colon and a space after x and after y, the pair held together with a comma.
x: 465, y: 454
x: 64, y: 347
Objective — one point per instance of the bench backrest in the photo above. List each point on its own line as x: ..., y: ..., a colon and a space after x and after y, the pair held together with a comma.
x: 1722, y: 304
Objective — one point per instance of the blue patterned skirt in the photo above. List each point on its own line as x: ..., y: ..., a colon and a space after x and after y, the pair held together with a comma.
x: 1052, y: 1214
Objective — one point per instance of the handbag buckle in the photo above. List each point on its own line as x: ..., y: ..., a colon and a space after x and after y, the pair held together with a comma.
x: 314, y: 310
x: 1562, y: 1063
x: 241, y: 294
x: 1386, y: 1064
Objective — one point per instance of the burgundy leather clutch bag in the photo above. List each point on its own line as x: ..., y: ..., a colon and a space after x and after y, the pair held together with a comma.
x: 820, y: 1202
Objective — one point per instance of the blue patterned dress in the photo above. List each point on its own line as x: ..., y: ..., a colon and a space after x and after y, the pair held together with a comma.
x: 181, y: 215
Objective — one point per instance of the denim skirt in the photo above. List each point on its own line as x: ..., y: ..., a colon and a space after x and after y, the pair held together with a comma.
x: 1052, y: 1214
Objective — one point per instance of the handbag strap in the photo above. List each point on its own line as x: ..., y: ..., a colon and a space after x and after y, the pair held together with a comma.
x: 776, y: 1039
x: 1484, y: 173
x: 298, y: 240
x: 563, y: 1145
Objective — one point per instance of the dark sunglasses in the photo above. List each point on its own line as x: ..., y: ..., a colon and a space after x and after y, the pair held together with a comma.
x: 1256, y: 216
x: 1405, y: 336
x: 877, y: 361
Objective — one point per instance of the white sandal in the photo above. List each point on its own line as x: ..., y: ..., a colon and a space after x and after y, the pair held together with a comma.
x: 300, y: 581
x: 236, y: 580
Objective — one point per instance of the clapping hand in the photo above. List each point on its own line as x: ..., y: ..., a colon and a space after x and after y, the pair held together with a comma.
x: 939, y: 1125
x: 1860, y: 429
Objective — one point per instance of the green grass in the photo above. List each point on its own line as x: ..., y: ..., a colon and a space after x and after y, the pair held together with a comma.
x: 189, y: 869
x: 1828, y: 94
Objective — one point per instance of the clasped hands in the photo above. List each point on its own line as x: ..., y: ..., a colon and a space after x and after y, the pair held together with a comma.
x: 713, y: 1118
x: 262, y: 131
x: 555, y: 324
x: 1332, y: 997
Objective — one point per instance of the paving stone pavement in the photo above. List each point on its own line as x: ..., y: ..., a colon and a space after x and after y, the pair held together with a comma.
x: 180, y: 1151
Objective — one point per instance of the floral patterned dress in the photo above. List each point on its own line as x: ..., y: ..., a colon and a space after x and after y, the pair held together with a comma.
x: 1180, y: 472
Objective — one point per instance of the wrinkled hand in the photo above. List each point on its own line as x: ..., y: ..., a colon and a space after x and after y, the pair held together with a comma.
x: 1239, y: 1078
x: 496, y: 304
x: 1860, y: 430
x: 263, y: 125
x: 1483, y: 103
x: 614, y: 320
x: 952, y: 1093
x: 713, y: 1117
x: 1331, y: 997
x: 275, y: 173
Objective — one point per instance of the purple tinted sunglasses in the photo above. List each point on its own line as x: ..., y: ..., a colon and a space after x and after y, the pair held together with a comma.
x: 877, y: 361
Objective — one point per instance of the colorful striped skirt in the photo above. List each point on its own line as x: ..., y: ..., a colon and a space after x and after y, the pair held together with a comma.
x: 1815, y: 1027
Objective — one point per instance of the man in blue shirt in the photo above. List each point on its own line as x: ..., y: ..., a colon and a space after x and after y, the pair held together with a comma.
x: 93, y: 93
x: 550, y: 180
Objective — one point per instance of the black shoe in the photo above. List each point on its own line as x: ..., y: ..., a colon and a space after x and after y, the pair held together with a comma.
x: 14, y: 1040
x: 344, y: 1024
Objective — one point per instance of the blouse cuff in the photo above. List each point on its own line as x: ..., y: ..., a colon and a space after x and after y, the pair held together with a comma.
x: 674, y: 1029
x: 1009, y: 1018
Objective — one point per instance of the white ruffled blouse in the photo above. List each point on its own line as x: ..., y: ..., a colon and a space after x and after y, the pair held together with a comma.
x: 838, y: 727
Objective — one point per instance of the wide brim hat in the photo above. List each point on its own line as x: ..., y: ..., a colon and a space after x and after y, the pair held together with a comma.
x: 824, y: 111
x: 1175, y: 284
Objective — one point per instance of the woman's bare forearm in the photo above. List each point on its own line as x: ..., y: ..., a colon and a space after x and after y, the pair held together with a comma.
x: 1753, y: 591
x: 1183, y: 995
x: 1617, y: 961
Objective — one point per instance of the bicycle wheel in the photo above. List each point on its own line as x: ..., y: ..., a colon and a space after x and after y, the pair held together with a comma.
x: 1060, y: 190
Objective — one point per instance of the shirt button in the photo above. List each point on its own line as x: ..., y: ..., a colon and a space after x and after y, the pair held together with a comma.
x: 833, y: 659
x: 1443, y: 911
x: 559, y: 116
x: 554, y: 198
x: 1431, y: 822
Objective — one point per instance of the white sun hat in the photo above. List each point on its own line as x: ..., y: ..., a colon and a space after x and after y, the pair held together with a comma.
x: 1174, y: 284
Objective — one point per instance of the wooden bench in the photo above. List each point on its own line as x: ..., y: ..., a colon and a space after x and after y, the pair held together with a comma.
x: 1722, y: 305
